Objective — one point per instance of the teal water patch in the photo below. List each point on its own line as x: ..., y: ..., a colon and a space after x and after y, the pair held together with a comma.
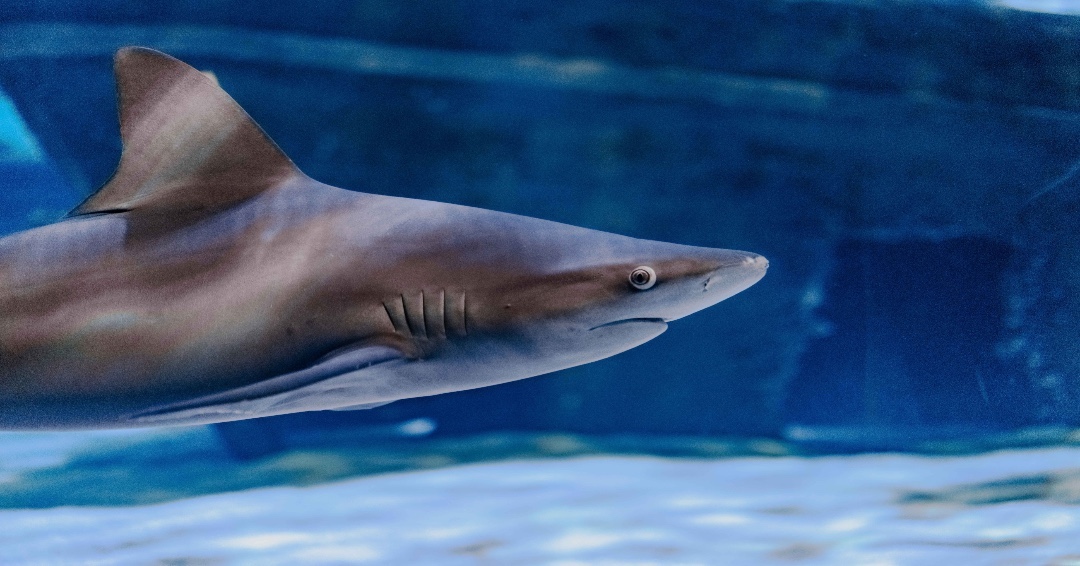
x: 17, y: 143
x: 23, y: 451
x: 32, y: 189
x: 141, y: 467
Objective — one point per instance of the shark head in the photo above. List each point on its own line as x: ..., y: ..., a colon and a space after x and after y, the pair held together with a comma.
x: 516, y: 297
x: 600, y: 294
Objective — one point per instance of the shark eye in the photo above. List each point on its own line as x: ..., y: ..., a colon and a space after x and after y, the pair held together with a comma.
x: 643, y: 277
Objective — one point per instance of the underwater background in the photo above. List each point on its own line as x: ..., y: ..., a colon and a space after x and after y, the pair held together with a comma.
x: 902, y: 387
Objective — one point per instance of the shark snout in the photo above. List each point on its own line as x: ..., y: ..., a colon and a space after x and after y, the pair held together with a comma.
x: 724, y: 273
x: 739, y: 273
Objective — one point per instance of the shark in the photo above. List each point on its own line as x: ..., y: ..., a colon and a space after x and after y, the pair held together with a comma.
x: 210, y: 280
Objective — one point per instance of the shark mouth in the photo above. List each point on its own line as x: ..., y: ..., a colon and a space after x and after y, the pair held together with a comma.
x: 629, y: 321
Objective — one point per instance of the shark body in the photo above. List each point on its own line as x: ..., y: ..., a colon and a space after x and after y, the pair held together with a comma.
x: 210, y: 280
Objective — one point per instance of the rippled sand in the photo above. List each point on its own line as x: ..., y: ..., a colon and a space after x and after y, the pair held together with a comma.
x: 1015, y: 507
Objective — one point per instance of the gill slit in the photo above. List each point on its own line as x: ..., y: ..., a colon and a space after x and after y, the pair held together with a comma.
x: 390, y: 317
x: 409, y: 324
x: 423, y: 315
x: 450, y: 317
x: 440, y: 316
x: 397, y: 316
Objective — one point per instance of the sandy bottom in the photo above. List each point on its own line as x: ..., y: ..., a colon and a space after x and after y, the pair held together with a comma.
x: 1005, y: 508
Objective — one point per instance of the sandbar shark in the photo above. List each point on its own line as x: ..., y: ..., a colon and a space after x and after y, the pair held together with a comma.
x: 210, y: 280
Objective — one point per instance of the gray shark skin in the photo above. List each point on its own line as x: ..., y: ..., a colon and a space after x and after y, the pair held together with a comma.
x: 210, y: 280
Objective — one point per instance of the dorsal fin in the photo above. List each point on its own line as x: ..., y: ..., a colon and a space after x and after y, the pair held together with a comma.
x: 189, y: 149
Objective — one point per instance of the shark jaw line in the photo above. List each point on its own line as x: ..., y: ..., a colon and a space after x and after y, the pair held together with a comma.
x: 630, y: 321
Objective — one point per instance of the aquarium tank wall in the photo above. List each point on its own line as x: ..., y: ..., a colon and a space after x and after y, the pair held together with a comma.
x: 909, y: 168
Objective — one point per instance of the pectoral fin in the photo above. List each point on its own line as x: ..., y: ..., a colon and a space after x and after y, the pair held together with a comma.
x: 311, y: 388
